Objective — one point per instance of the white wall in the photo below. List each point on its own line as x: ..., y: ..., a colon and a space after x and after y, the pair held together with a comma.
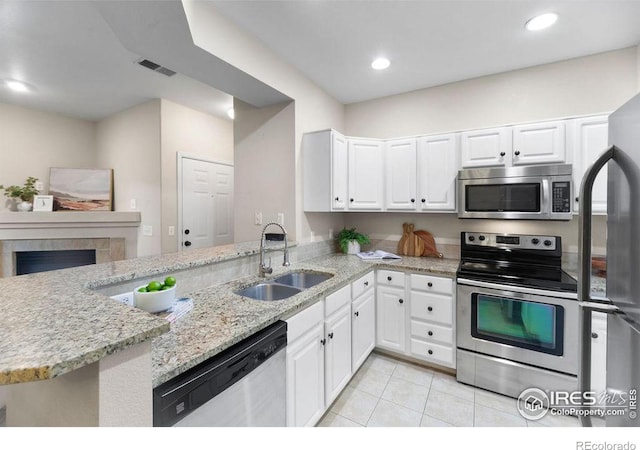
x: 588, y: 85
x: 33, y: 141
x: 129, y: 142
x: 188, y: 131
x: 314, y: 108
x: 264, y: 168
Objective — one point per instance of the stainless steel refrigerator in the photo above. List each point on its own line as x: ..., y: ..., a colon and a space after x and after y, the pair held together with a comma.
x: 622, y: 160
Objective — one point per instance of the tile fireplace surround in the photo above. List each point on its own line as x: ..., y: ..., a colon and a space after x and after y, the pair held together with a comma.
x: 112, y: 234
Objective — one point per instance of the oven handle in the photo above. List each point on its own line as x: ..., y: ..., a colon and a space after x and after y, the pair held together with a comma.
x: 520, y: 289
x: 584, y: 271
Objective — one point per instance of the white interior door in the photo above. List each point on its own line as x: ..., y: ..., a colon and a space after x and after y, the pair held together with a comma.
x: 206, y: 203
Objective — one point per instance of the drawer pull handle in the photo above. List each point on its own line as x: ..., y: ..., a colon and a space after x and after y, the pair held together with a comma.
x: 389, y: 278
x: 357, y: 313
x: 430, y: 352
x: 400, y: 301
x: 429, y: 308
x: 430, y: 333
x: 430, y: 284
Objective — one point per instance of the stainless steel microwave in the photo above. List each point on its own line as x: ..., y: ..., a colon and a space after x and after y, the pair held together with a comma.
x: 542, y: 192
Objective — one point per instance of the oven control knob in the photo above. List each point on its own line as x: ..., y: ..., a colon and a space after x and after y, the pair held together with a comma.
x: 481, y: 238
x: 547, y: 243
x: 472, y: 238
x: 535, y: 241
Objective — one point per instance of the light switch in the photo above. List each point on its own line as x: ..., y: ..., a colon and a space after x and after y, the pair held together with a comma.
x: 258, y: 218
x: 172, y: 230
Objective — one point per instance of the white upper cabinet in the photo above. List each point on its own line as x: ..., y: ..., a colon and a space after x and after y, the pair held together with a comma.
x: 325, y: 171
x: 590, y: 139
x: 487, y: 147
x: 366, y: 176
x: 437, y: 170
x: 400, y: 174
x: 539, y: 143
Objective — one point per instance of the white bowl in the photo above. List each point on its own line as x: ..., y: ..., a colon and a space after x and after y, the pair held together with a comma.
x: 154, y: 301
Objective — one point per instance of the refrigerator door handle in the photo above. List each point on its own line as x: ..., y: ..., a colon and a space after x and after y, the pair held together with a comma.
x: 584, y: 270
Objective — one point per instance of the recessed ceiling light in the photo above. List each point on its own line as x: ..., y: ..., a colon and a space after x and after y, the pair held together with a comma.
x: 231, y: 113
x: 541, y: 22
x: 380, y: 63
x: 17, y: 86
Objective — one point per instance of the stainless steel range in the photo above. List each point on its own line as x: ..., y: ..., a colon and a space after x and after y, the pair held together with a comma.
x: 517, y: 314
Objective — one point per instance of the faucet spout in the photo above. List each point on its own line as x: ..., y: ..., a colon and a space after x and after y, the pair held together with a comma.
x: 264, y: 269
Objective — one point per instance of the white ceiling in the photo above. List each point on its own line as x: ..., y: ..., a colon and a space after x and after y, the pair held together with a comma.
x: 80, y: 55
x: 428, y: 42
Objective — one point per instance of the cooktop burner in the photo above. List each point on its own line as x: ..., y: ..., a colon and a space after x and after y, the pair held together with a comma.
x: 519, y: 260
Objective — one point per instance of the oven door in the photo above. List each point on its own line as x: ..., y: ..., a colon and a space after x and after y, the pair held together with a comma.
x: 525, y: 325
x: 504, y: 198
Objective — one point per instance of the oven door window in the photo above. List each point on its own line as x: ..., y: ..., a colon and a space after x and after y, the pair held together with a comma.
x: 516, y: 197
x: 520, y: 323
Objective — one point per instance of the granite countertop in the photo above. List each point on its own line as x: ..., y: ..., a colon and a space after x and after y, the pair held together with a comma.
x: 221, y: 318
x: 53, y: 323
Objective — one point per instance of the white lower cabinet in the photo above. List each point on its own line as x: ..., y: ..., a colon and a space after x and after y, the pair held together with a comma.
x: 337, y: 352
x: 363, y: 327
x: 390, y: 313
x: 305, y: 367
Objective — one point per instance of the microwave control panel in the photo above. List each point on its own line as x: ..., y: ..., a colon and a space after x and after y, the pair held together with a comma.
x: 561, y: 197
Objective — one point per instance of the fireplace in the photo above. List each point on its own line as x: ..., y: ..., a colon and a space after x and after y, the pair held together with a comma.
x: 65, y: 239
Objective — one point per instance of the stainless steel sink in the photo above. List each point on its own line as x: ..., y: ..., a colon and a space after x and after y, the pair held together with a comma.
x: 303, y: 280
x: 269, y: 291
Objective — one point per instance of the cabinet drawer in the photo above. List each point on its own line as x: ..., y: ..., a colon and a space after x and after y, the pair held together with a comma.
x: 432, y: 307
x: 439, y: 354
x: 361, y: 285
x: 431, y: 332
x: 390, y: 278
x: 337, y: 300
x: 432, y: 284
x: 304, y: 321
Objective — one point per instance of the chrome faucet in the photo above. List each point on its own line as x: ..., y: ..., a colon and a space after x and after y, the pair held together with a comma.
x: 263, y: 270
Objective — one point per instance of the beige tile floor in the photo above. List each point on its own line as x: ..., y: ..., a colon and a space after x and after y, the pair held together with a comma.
x: 386, y: 392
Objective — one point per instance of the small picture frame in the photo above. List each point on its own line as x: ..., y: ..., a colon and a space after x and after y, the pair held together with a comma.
x: 43, y: 202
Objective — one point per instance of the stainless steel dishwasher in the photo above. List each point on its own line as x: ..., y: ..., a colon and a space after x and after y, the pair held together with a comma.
x: 242, y: 386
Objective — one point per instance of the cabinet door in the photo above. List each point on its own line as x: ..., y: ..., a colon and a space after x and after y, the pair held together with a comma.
x: 337, y: 353
x: 366, y: 177
x: 591, y: 137
x: 400, y: 174
x: 363, y: 336
x: 437, y: 171
x: 539, y: 143
x: 305, y: 378
x: 390, y: 314
x: 488, y: 147
x: 339, y: 173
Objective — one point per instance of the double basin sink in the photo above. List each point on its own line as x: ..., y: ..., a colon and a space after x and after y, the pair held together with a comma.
x: 284, y: 286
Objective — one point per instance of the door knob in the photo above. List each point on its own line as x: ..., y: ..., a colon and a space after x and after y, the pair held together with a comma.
x: 186, y: 231
x: 357, y: 313
x: 389, y: 278
x: 366, y: 283
x: 337, y: 199
x: 429, y: 308
x: 430, y: 333
x: 424, y: 200
x: 502, y: 153
x: 400, y: 301
x: 323, y: 341
x: 331, y: 335
x: 430, y: 352
x: 430, y: 284
x: 517, y: 152
x: 594, y: 335
x: 413, y: 200
x: 187, y: 243
x: 351, y: 200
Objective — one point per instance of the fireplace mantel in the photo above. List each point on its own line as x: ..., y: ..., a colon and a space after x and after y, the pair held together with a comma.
x: 68, y: 219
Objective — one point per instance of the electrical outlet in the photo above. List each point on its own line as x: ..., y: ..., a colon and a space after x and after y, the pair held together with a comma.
x: 147, y: 230
x: 281, y: 218
x: 330, y: 233
x: 39, y: 185
x: 258, y: 218
x: 125, y: 299
x: 133, y: 204
x: 172, y: 230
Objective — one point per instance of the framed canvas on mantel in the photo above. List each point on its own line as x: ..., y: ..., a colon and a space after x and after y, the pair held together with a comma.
x: 81, y: 189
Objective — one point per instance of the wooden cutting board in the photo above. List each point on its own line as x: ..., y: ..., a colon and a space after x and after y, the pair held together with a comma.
x: 429, y: 244
x: 410, y: 244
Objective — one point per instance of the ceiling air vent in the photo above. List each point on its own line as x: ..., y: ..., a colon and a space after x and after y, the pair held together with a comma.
x: 156, y: 67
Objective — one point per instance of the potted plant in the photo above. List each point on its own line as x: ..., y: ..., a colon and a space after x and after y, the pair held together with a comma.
x: 24, y: 193
x: 349, y: 240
